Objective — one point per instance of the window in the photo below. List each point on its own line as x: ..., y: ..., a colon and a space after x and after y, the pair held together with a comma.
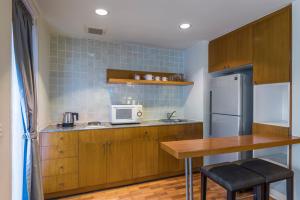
x: 17, y: 134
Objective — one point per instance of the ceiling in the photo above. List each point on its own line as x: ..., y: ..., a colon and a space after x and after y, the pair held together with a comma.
x: 155, y: 22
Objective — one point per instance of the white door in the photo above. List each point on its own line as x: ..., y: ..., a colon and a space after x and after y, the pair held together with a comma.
x: 226, y: 94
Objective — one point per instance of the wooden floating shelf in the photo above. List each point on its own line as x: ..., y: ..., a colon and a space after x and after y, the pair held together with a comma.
x: 145, y: 82
x: 115, y: 76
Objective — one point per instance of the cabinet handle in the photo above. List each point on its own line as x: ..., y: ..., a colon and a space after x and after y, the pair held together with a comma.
x: 145, y: 134
x: 109, y: 145
x: 104, y: 148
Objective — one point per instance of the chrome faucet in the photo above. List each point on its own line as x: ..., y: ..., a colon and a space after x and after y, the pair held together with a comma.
x: 170, y: 115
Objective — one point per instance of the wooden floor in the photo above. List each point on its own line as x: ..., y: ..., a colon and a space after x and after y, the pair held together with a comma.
x: 167, y: 189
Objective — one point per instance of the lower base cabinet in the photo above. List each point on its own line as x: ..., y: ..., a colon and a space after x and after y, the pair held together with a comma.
x: 92, y: 157
x: 166, y: 162
x: 145, y: 151
x: 112, y: 157
x: 119, y: 155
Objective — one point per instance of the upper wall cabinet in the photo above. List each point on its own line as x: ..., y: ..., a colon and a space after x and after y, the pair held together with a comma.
x: 265, y: 43
x: 240, y: 47
x: 272, y: 48
x: 217, y: 54
x: 231, y: 50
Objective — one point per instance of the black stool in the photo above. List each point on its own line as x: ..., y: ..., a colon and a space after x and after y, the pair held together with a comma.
x: 272, y: 173
x: 233, y: 178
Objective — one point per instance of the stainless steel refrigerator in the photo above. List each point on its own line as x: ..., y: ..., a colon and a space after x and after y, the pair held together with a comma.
x: 231, y: 111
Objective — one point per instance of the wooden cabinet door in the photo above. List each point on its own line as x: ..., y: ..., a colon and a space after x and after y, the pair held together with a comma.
x: 93, y: 157
x: 145, y: 151
x: 272, y: 48
x: 166, y: 162
x: 191, y: 132
x: 240, y: 47
x: 218, y: 54
x: 119, y: 157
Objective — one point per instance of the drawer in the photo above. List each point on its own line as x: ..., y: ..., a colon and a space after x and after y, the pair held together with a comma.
x: 56, y: 152
x: 67, y: 182
x: 60, y: 183
x: 49, y: 184
x: 59, y: 166
x: 59, y: 139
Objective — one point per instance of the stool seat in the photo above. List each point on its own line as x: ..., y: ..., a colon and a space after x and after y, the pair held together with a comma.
x: 271, y: 172
x: 232, y: 176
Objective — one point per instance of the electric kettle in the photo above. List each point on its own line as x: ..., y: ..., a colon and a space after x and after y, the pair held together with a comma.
x: 68, y: 119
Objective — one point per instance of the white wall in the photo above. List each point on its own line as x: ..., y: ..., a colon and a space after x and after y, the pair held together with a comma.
x: 5, y: 87
x: 296, y: 93
x: 196, y: 66
x: 43, y: 73
x: 197, y: 97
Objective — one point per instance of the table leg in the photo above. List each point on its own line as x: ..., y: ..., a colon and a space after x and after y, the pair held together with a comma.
x: 187, y: 196
x: 191, y: 179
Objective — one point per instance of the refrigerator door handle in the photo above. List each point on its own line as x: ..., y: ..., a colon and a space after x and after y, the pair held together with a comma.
x: 210, y: 113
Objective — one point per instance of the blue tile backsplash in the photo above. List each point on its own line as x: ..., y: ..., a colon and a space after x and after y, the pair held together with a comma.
x: 78, y: 78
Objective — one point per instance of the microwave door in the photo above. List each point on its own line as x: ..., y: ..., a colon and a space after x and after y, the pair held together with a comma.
x: 123, y: 116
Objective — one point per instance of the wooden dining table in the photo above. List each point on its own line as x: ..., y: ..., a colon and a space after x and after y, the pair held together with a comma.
x: 189, y: 149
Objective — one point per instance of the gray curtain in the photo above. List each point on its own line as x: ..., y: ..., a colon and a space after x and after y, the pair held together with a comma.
x: 22, y: 35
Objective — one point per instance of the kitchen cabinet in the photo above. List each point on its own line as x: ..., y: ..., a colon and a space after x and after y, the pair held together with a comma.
x: 119, y: 155
x: 59, y: 161
x: 80, y: 161
x: 92, y: 157
x: 218, y: 54
x: 145, y: 151
x: 59, y: 166
x: 239, y: 47
x: 272, y: 48
x: 193, y: 131
x: 231, y: 50
x: 166, y: 162
x: 105, y: 156
x: 265, y: 43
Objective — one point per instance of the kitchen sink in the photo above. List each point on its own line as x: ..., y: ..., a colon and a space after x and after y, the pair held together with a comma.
x: 173, y: 120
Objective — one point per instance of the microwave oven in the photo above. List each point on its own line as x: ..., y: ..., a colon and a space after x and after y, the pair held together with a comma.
x: 126, y: 114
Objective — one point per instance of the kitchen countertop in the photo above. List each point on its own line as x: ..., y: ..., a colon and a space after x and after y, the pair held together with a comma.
x: 107, y: 125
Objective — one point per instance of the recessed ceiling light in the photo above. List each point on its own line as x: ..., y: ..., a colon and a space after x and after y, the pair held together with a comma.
x: 185, y: 26
x: 101, y: 12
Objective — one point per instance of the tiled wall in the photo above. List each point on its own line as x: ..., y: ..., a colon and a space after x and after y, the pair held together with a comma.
x: 78, y: 78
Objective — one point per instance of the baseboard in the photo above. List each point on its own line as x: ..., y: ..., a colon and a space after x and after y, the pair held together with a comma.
x: 277, y: 195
